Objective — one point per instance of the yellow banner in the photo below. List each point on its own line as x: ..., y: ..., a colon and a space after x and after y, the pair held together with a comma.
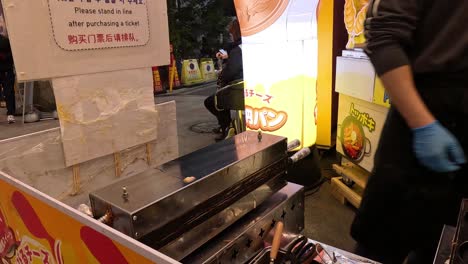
x: 280, y: 55
x: 32, y: 231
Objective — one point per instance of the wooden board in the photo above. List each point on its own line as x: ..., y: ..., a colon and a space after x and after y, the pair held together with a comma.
x: 345, y: 194
x: 352, y: 172
x: 38, y: 161
x: 104, y: 113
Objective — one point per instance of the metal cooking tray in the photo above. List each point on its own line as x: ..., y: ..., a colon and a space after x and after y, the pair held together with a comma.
x: 159, y: 199
x: 243, y: 240
x: 203, y: 233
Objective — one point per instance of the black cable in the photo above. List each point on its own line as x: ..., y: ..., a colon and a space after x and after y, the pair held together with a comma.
x: 315, y: 188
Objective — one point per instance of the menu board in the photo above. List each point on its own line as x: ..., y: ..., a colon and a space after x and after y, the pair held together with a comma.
x: 360, y: 124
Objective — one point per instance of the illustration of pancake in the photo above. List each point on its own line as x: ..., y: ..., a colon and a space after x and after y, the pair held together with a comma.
x: 257, y: 15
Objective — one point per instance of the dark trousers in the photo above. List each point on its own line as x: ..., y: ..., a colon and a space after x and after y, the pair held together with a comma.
x: 405, y: 205
x: 7, y: 79
x: 224, y: 117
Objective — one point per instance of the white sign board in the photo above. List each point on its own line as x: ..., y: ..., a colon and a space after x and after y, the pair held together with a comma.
x: 57, y: 38
x: 95, y: 24
x: 355, y: 77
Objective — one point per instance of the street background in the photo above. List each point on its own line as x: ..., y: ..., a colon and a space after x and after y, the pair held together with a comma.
x: 326, y: 220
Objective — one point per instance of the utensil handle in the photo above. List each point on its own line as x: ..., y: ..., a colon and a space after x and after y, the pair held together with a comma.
x: 300, y: 155
x: 294, y: 144
x: 276, y: 240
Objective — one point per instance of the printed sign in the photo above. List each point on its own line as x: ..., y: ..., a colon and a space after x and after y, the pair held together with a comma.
x: 266, y: 119
x: 360, y: 124
x: 58, y: 38
x: 208, y: 71
x: 191, y: 73
x: 35, y: 229
x: 94, y: 24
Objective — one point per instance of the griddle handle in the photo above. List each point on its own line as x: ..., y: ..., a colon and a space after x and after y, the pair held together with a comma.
x: 276, y: 241
x: 300, y: 155
x: 294, y: 144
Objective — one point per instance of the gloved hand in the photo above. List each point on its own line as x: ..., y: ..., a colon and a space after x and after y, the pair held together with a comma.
x: 437, y: 149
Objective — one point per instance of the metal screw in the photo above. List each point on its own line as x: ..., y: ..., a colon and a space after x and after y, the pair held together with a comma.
x: 135, y: 218
x: 124, y: 193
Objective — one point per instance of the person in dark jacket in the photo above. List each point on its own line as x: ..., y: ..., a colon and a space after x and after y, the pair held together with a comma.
x: 419, y: 50
x: 232, y: 71
x: 7, y: 77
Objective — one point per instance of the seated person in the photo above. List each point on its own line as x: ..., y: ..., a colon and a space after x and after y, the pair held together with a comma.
x: 232, y: 71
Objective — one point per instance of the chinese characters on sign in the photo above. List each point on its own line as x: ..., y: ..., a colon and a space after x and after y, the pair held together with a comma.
x: 96, y: 24
x: 101, y: 38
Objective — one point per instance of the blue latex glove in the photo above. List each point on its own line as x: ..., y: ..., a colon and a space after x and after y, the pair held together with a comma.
x: 437, y: 149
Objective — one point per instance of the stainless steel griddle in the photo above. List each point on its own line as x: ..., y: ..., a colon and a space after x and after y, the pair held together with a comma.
x: 179, y: 207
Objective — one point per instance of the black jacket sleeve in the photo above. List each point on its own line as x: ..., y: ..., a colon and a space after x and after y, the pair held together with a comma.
x: 233, y: 69
x: 390, y: 27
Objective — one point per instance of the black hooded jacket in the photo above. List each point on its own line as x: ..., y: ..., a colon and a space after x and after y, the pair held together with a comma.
x: 6, y: 57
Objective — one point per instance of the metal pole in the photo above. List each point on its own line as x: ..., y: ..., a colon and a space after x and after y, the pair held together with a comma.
x: 28, y: 97
x: 24, y: 100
